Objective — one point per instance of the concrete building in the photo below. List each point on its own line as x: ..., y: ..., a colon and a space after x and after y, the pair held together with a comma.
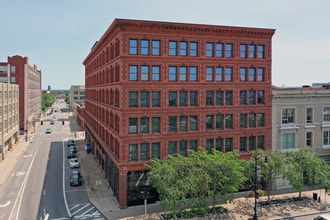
x: 77, y: 95
x: 17, y: 70
x: 9, y: 117
x: 155, y: 89
x: 301, y: 119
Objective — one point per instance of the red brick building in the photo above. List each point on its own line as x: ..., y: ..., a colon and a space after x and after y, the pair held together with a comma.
x: 160, y: 88
x: 28, y: 79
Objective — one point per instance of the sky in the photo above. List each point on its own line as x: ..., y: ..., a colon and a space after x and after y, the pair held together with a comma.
x: 58, y: 35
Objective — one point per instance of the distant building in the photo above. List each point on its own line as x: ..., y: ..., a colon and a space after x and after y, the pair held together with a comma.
x: 49, y: 89
x: 17, y: 70
x: 155, y: 89
x: 9, y: 117
x: 77, y: 95
x: 301, y: 119
x: 321, y: 85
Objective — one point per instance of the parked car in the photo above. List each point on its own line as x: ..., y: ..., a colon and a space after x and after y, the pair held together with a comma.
x: 74, y: 163
x: 52, y: 122
x: 71, y: 143
x: 76, y: 178
x: 71, y: 154
x: 48, y: 131
x: 73, y: 148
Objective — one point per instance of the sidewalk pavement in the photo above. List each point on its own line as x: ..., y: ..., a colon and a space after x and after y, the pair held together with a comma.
x: 102, y: 197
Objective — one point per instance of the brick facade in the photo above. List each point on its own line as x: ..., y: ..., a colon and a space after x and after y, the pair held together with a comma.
x: 160, y: 88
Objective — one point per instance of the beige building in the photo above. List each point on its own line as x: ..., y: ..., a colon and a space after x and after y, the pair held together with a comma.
x: 301, y: 119
x: 77, y: 95
x: 9, y: 117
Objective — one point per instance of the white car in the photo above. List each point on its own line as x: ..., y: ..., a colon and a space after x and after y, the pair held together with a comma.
x: 74, y: 163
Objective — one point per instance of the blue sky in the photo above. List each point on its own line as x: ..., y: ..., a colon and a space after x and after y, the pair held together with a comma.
x: 58, y: 35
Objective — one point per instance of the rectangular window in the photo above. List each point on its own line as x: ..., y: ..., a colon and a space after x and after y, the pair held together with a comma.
x: 183, y: 147
x: 288, y: 115
x: 309, y: 115
x: 261, y: 142
x: 209, y: 122
x: 133, y: 126
x: 133, y: 73
x: 229, y: 121
x: 219, y: 98
x: 144, y: 47
x: 133, y: 152
x: 209, y: 145
x: 133, y: 47
x: 183, y: 73
x: 193, y: 49
x: 229, y: 98
x: 183, y: 48
x: 229, y: 50
x: 209, y: 74
x: 242, y: 73
x: 172, y: 48
x: 218, y: 74
x: 172, y: 99
x: 209, y: 49
x: 155, y: 99
x: 172, y: 73
x: 326, y: 137
x: 144, y: 99
x: 155, y: 150
x: 183, y: 98
x: 133, y: 99
x: 219, y: 144
x: 252, y: 120
x: 193, y: 123
x: 243, y: 98
x: 261, y: 75
x: 229, y: 74
x: 252, y: 97
x: 209, y: 98
x: 252, y: 74
x: 242, y: 50
x: 172, y: 123
x: 193, y: 145
x: 219, y: 50
x: 155, y: 73
x: 156, y: 48
x: 219, y: 122
x: 193, y: 74
x: 261, y: 51
x: 252, y: 143
x: 144, y: 151
x: 243, y: 144
x: 261, y: 119
x: 229, y: 144
x: 144, y: 73
x: 155, y: 125
x: 309, y: 139
x: 261, y: 97
x: 193, y: 98
x: 252, y: 51
x: 172, y: 148
x: 288, y: 141
x: 243, y: 120
x: 326, y: 114
x: 183, y: 123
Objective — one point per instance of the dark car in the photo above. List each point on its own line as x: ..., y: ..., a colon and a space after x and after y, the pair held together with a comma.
x: 73, y: 148
x: 48, y: 131
x: 71, y: 154
x: 71, y: 142
x: 76, y: 178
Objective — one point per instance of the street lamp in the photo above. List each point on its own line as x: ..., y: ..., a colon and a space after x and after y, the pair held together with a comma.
x: 255, y: 217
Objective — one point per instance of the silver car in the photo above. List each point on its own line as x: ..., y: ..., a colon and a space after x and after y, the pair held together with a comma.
x: 74, y: 163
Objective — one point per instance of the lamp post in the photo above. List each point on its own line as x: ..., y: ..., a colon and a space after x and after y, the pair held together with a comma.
x: 255, y: 217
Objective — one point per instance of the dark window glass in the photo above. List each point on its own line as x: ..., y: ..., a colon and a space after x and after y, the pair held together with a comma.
x: 183, y: 147
x: 183, y: 123
x: 133, y: 99
x: 144, y: 125
x: 193, y: 145
x: 209, y: 98
x: 243, y: 98
x: 252, y: 143
x: 219, y: 144
x: 261, y: 97
x: 209, y: 122
x: 229, y: 121
x: 252, y: 97
x: 243, y: 144
x: 219, y: 98
x: 193, y: 123
x: 144, y: 151
x: 261, y: 122
x: 309, y: 115
x: 261, y: 142
x: 193, y: 49
x: 155, y: 125
x: 229, y: 98
x: 193, y: 98
x: 172, y: 99
x: 252, y: 120
x: 172, y: 124
x: 229, y: 144
x: 172, y: 48
x: 172, y: 148
x: 133, y: 152
x: 183, y: 98
x: 219, y: 122
x: 209, y: 145
x: 309, y: 139
x: 155, y: 150
x: 144, y: 99
x: 144, y: 47
x: 133, y: 47
x: 243, y: 121
x: 155, y: 99
x: 133, y: 126
x: 155, y: 47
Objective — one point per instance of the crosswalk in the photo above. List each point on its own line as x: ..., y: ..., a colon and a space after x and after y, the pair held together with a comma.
x: 85, y: 211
